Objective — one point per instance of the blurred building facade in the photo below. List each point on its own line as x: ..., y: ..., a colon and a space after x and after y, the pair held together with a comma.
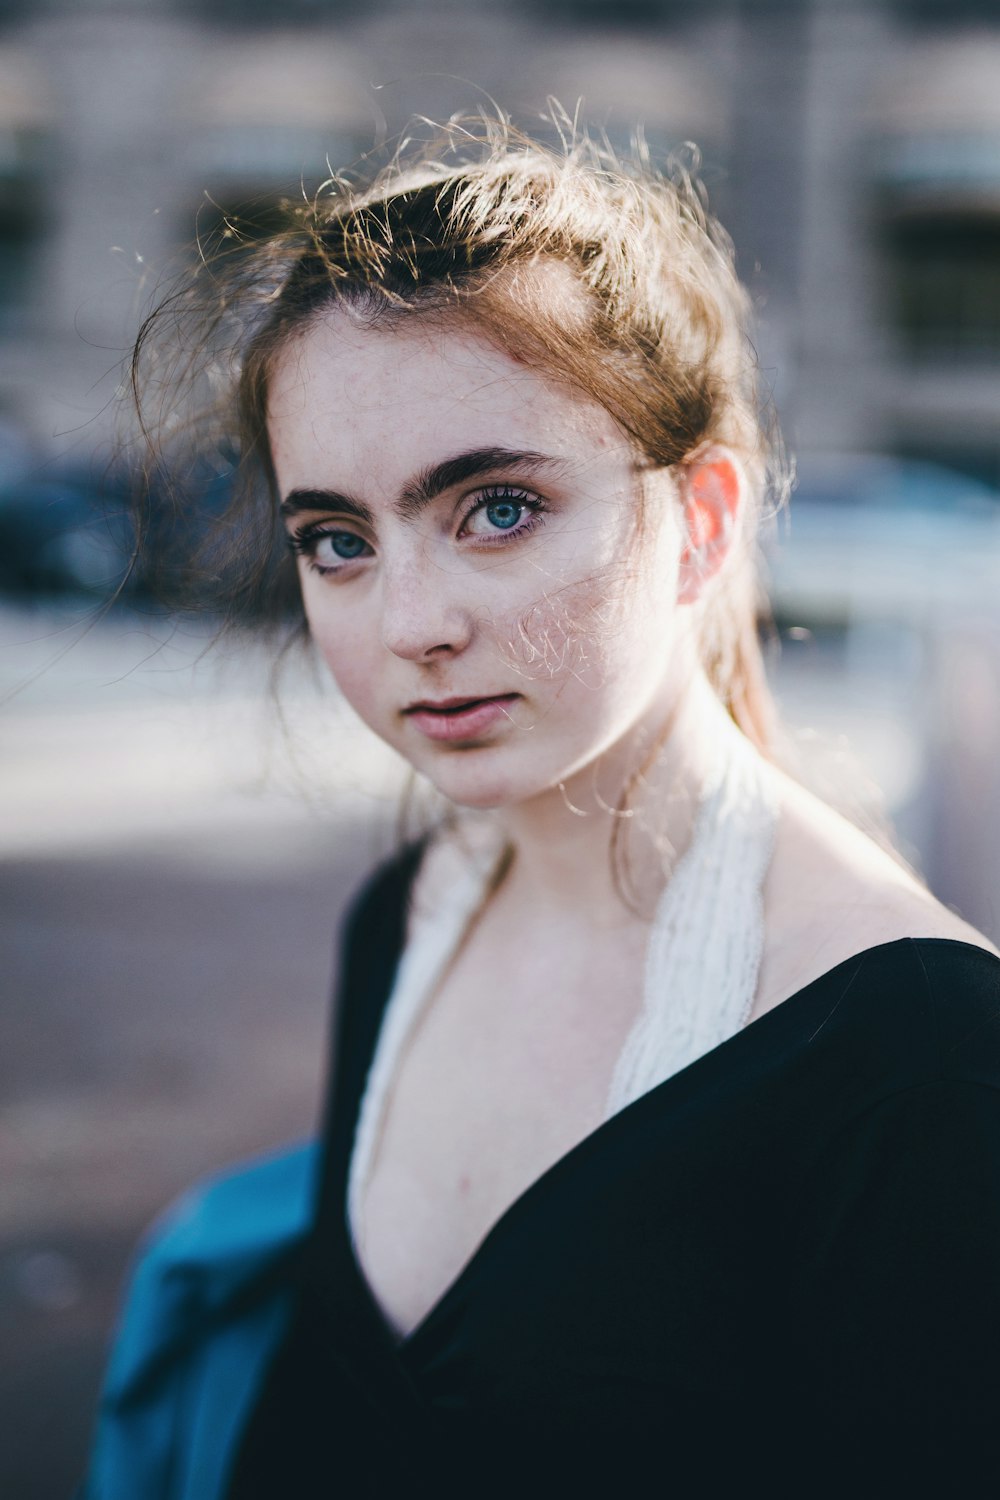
x: 851, y: 146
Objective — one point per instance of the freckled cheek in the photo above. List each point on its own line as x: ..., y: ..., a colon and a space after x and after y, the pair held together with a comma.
x: 349, y: 659
x: 576, y: 630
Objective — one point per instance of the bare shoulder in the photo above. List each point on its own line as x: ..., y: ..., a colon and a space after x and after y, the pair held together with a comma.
x: 832, y: 892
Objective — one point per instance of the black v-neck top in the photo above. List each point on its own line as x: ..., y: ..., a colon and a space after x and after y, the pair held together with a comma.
x: 778, y: 1270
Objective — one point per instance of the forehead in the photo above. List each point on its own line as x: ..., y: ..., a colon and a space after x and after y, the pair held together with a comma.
x: 387, y: 402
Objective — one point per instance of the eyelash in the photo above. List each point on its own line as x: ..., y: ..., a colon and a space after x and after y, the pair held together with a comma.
x: 305, y: 540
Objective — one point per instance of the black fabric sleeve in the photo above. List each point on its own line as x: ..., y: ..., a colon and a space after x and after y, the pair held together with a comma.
x: 895, y: 1300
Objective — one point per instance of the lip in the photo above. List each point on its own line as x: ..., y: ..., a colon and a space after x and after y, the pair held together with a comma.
x: 459, y: 718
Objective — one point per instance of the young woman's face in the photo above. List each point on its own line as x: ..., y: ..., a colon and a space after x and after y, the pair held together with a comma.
x: 467, y: 540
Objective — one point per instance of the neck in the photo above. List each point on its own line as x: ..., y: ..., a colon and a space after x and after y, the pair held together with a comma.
x: 562, y: 840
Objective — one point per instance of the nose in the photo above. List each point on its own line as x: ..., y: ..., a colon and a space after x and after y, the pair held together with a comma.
x: 423, y: 617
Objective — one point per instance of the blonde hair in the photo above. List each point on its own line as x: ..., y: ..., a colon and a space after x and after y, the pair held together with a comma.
x: 660, y: 336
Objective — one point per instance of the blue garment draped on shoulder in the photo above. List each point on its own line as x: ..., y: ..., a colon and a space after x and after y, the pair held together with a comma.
x: 208, y: 1302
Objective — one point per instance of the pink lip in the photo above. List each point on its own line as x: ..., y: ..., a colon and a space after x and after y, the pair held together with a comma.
x: 459, y: 718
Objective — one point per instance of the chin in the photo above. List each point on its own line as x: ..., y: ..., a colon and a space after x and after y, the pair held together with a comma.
x: 485, y: 797
x: 481, y: 787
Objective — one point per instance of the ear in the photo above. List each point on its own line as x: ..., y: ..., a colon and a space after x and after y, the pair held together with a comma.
x: 710, y: 484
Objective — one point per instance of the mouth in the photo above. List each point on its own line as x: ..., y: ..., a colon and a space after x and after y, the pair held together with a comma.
x: 459, y: 718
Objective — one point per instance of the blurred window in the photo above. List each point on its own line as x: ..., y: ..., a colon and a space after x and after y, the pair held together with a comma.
x: 601, y: 12
x: 640, y: 13
x: 977, y: 461
x: 945, y: 268
x: 251, y: 13
x: 22, y: 225
x: 945, y: 13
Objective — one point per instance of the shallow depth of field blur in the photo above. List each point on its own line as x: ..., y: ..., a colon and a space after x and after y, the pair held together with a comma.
x: 176, y: 838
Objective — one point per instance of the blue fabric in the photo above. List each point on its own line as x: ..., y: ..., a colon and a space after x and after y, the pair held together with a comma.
x: 208, y: 1302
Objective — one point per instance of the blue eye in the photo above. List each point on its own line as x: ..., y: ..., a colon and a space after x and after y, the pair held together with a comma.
x: 504, y: 513
x: 345, y: 544
x: 327, y: 551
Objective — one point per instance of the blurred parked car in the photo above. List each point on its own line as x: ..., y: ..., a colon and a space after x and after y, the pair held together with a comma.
x: 66, y: 533
x: 63, y: 534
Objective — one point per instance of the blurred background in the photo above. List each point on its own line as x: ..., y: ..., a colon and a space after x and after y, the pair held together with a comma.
x: 176, y: 840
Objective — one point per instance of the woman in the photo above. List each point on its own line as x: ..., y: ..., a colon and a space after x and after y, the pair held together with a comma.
x: 663, y: 1143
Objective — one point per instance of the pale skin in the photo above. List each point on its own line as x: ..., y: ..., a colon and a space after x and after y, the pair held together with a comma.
x: 517, y: 576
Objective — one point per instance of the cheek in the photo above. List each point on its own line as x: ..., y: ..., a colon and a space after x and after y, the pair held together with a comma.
x: 609, y: 608
x: 346, y: 651
x: 591, y: 630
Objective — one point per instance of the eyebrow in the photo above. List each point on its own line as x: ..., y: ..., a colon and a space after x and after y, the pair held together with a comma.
x: 419, y: 492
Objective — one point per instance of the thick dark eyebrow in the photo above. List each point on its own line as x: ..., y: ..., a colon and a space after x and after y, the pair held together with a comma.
x: 297, y: 501
x: 419, y: 492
